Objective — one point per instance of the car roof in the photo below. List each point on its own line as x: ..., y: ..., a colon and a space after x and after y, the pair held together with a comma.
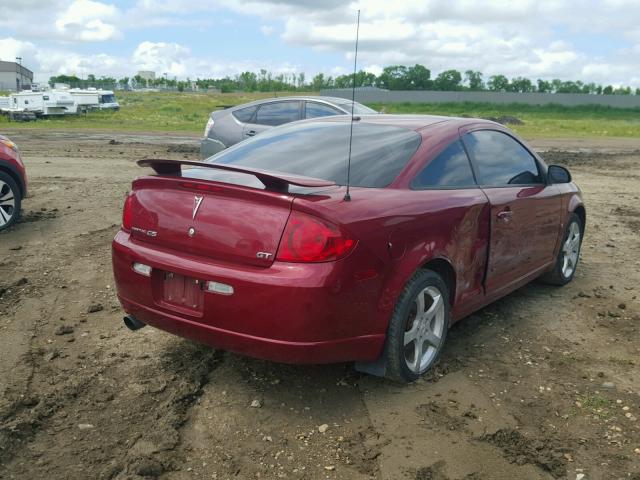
x: 330, y: 100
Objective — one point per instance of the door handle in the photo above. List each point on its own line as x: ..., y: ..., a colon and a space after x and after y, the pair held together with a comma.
x: 505, y: 215
x: 251, y: 133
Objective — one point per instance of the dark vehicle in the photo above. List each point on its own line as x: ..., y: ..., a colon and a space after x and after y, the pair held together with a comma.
x: 13, y: 183
x: 257, y: 251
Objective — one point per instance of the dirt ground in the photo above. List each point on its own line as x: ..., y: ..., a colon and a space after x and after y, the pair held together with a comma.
x: 542, y: 384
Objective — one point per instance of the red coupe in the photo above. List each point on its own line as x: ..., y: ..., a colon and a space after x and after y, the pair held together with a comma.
x: 13, y: 183
x: 261, y: 251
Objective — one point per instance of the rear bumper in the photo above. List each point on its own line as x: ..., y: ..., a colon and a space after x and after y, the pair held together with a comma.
x: 290, y: 313
x: 364, y: 348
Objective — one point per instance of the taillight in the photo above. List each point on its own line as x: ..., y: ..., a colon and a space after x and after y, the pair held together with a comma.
x: 208, y: 127
x: 309, y: 239
x: 127, y: 213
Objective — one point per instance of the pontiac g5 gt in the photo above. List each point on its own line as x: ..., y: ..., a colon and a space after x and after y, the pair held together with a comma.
x: 259, y: 251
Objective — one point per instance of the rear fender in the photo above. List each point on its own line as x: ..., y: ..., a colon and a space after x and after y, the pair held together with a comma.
x: 400, y: 273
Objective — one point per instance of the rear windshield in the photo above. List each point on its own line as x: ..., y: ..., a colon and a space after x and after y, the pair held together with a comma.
x: 321, y: 150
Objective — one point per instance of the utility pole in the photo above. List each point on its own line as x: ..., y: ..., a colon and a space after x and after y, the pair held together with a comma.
x: 19, y: 80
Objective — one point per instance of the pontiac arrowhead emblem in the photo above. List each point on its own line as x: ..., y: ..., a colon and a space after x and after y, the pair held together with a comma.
x: 196, y: 205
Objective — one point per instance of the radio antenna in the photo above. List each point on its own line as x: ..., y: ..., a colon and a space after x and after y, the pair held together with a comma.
x: 347, y: 196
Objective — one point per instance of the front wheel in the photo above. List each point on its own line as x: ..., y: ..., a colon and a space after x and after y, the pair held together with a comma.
x: 567, y: 261
x: 418, y: 327
x: 9, y: 201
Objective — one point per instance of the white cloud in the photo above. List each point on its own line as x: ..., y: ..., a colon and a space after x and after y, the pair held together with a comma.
x: 515, y: 38
x: 267, y: 30
x: 10, y: 48
x: 162, y: 58
x: 530, y: 38
x: 60, y: 20
x: 87, y: 20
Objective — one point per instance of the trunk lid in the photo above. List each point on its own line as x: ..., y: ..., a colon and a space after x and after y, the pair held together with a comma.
x: 229, y: 223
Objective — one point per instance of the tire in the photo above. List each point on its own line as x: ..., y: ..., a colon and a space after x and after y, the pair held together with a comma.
x: 406, y: 336
x: 568, y: 256
x: 10, y: 201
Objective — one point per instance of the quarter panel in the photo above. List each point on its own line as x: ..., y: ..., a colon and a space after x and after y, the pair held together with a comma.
x: 447, y: 224
x: 405, y: 229
x: 227, y: 129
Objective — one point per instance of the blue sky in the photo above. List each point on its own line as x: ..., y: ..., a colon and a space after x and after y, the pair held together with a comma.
x: 599, y: 41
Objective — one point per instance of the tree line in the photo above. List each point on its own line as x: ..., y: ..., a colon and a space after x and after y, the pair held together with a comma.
x: 395, y: 77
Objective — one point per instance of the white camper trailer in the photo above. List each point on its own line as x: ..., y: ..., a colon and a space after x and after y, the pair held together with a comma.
x: 85, y: 99
x: 43, y: 103
x: 59, y: 102
x: 94, y: 99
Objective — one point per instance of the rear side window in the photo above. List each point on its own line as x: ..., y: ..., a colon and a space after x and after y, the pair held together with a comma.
x: 315, y: 110
x: 321, y: 150
x: 358, y: 108
x: 278, y: 113
x: 501, y: 160
x: 245, y: 114
x: 451, y: 168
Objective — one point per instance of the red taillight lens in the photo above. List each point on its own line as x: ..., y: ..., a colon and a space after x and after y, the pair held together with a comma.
x: 309, y: 239
x: 127, y: 213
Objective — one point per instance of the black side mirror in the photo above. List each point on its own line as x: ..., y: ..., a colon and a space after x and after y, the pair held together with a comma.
x: 558, y: 174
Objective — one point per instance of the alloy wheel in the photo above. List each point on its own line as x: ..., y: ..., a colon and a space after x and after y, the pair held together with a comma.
x: 7, y: 203
x: 425, y: 330
x: 571, y: 250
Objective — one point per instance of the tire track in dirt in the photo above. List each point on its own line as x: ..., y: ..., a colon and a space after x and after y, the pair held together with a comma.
x: 105, y: 403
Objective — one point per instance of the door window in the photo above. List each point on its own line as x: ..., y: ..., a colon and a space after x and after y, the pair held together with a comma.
x: 315, y: 110
x: 278, y: 113
x: 451, y: 168
x: 501, y: 160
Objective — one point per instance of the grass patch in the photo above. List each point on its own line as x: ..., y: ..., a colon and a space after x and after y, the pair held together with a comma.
x: 188, y: 112
x: 596, y: 405
x: 540, y: 120
x: 148, y: 111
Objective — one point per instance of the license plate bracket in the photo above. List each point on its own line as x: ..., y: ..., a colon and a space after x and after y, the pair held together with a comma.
x: 181, y: 291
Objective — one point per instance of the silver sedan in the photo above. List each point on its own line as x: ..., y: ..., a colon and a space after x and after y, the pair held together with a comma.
x: 232, y: 125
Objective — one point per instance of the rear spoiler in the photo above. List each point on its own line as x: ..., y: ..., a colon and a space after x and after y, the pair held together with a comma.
x: 271, y: 180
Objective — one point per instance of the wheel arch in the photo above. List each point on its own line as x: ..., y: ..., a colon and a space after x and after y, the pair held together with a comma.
x: 582, y: 214
x: 439, y: 265
x: 9, y: 170
x: 443, y: 267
